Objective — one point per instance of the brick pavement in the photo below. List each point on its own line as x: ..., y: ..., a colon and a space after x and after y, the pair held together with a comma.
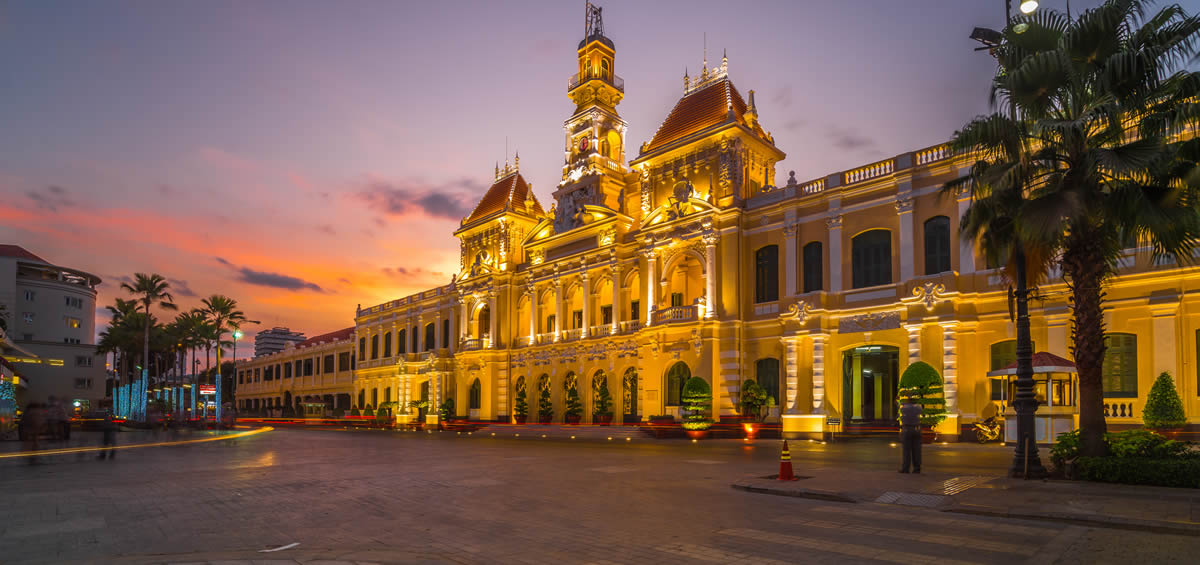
x: 387, y: 497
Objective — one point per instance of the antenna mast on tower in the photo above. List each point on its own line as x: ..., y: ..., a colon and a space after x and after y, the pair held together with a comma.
x: 593, y: 21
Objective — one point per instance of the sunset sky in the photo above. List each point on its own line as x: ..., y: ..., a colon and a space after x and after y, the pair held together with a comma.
x: 304, y: 157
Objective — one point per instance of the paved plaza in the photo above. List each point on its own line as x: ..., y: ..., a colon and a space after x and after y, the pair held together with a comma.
x: 396, y: 497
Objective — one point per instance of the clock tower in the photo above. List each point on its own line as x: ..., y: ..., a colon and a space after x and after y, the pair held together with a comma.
x: 593, y: 159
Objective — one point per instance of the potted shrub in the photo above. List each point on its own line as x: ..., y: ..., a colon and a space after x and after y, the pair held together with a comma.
x: 446, y: 410
x: 697, y: 399
x: 574, y: 409
x: 1164, y: 410
x: 545, y: 407
x: 754, y: 397
x: 521, y: 408
x: 603, y: 408
x: 924, y: 383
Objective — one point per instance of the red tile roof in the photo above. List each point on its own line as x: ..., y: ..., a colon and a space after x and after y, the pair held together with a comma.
x: 701, y: 109
x: 508, y: 193
x: 1043, y: 362
x: 329, y: 337
x: 19, y: 252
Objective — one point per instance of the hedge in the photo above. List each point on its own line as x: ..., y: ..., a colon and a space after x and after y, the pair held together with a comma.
x: 1179, y: 472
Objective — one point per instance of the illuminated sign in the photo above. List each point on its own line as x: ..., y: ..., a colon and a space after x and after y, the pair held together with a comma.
x: 207, y: 389
x: 34, y: 361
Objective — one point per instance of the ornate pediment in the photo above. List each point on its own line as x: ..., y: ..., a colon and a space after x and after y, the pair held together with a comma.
x: 876, y: 321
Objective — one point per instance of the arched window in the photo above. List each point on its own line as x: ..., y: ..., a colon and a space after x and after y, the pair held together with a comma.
x: 766, y: 372
x: 401, y: 344
x: 604, y: 69
x: 1120, y: 366
x: 387, y: 344
x: 814, y: 260
x: 475, y: 392
x: 630, y: 392
x: 766, y: 274
x: 387, y: 394
x: 430, y: 335
x: 937, y: 245
x: 871, y: 258
x: 374, y: 347
x: 677, y: 375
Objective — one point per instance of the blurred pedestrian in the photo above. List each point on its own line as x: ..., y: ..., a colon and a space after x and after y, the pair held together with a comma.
x: 110, y: 437
x: 910, y: 434
x: 33, y: 423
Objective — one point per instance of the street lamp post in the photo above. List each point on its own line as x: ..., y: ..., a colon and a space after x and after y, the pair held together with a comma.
x: 1026, y: 462
x: 237, y: 334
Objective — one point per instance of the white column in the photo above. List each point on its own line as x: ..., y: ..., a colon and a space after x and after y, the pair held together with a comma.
x: 651, y: 283
x: 791, y: 365
x: 710, y: 275
x: 904, y: 208
x: 789, y: 259
x: 616, y: 299
x: 835, y: 252
x: 818, y: 369
x: 494, y: 336
x: 558, y: 308
x: 533, y: 314
x: 587, y: 304
x: 966, y: 247
x: 914, y: 342
x: 950, y: 365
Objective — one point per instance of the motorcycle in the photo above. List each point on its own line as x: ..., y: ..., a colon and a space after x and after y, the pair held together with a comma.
x: 988, y: 430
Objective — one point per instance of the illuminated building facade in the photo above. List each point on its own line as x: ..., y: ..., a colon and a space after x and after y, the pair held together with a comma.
x: 52, y: 316
x: 691, y: 260
x: 313, y: 377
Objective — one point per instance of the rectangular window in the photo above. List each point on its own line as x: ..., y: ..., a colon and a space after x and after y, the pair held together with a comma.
x: 299, y: 372
x: 387, y: 344
x: 766, y: 274
x: 83, y: 383
x: 287, y: 370
x: 83, y: 361
x: 344, y: 361
x: 71, y: 340
x: 814, y: 260
x: 676, y: 299
x: 635, y: 310
x: 241, y: 376
x: 30, y: 295
x: 329, y: 363
x: 72, y: 323
x: 308, y: 367
x: 257, y: 374
x: 1119, y: 372
x: 446, y: 341
x: 362, y: 347
x: 577, y: 319
x: 28, y: 317
x: 606, y: 314
x: 374, y: 347
x: 550, y: 323
x: 72, y: 302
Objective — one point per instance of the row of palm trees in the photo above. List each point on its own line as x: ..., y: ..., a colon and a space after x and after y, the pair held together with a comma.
x: 145, y: 348
x: 1092, y: 150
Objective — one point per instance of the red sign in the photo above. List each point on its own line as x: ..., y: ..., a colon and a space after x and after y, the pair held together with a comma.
x: 207, y: 389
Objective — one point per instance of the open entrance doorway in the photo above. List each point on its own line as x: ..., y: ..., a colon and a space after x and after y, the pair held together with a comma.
x: 870, y: 374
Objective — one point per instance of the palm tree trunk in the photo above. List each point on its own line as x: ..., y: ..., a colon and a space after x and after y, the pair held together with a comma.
x: 1085, y: 269
x: 145, y: 364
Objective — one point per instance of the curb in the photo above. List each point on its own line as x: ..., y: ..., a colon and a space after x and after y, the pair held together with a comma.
x: 814, y: 494
x: 1111, y: 522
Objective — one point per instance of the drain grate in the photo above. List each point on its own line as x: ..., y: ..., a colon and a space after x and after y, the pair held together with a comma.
x: 957, y: 485
x: 914, y: 499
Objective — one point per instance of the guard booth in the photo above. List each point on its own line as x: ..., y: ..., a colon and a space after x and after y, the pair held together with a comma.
x: 1056, y: 387
x: 314, y: 409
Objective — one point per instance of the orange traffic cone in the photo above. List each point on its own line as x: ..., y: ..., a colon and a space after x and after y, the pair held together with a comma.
x: 785, y: 464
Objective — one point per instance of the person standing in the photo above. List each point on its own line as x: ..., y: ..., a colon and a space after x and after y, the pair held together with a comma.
x: 110, y: 437
x: 910, y: 434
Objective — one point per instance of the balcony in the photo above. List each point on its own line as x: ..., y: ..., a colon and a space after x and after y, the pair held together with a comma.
x: 630, y: 326
x: 473, y: 344
x: 524, y: 341
x: 545, y: 338
x: 675, y: 314
x: 571, y: 335
x: 616, y: 82
x: 600, y: 331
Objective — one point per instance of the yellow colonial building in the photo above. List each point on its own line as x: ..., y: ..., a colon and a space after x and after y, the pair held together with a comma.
x: 690, y: 259
x: 311, y: 378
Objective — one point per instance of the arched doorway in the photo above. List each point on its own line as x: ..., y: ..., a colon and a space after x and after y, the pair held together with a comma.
x: 629, y: 407
x: 870, y: 374
x: 545, y: 405
x: 677, y: 375
x: 474, y: 399
x: 571, y: 400
x: 519, y: 394
x: 601, y: 396
x: 424, y: 409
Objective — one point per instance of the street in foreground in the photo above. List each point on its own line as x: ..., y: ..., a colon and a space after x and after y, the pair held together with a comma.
x: 394, y: 497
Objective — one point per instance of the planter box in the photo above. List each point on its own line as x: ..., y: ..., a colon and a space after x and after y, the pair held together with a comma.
x: 572, y: 419
x: 604, y: 419
x: 520, y: 419
x: 545, y: 419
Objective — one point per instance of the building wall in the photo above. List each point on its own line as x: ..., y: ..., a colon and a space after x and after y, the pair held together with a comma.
x: 254, y: 393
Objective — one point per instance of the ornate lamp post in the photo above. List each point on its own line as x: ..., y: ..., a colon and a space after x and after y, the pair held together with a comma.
x: 1026, y: 462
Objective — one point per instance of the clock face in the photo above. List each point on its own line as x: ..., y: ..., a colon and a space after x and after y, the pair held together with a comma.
x: 583, y: 143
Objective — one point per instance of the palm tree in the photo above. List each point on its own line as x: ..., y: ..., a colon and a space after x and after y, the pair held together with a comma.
x: 223, y: 313
x: 119, y: 339
x: 1103, y: 101
x: 149, y: 290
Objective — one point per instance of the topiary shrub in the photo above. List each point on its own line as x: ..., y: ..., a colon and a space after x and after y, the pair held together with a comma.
x: 697, y: 399
x: 603, y: 404
x: 521, y: 408
x: 923, y: 382
x: 574, y: 406
x: 754, y: 397
x: 545, y: 407
x: 382, y: 414
x: 446, y: 410
x: 1164, y: 409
